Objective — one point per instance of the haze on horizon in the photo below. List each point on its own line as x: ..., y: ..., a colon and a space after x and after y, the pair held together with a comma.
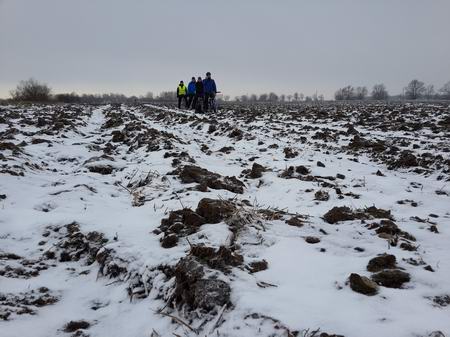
x: 252, y: 46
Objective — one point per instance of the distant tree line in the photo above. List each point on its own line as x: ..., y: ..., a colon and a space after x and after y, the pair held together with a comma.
x: 413, y: 91
x: 272, y: 97
x: 34, y: 91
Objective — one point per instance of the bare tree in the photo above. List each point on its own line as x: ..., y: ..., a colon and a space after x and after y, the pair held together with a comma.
x: 167, y: 96
x: 149, y: 96
x: 349, y: 92
x: 263, y: 97
x: 345, y: 94
x: 68, y: 98
x: 31, y: 90
x: 296, y: 96
x: 272, y: 97
x: 339, y: 95
x: 244, y: 98
x: 379, y: 92
x: 415, y: 89
x: 361, y: 93
x: 445, y: 90
x: 429, y: 91
x: 301, y: 97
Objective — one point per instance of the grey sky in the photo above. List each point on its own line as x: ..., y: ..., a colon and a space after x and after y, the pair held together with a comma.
x: 250, y: 46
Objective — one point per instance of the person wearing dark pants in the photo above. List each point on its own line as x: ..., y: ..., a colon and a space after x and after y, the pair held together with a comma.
x: 199, y: 92
x: 209, y: 86
x: 181, y: 94
x: 191, y: 93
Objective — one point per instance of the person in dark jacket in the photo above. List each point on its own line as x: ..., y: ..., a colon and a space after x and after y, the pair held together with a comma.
x: 209, y: 86
x: 181, y: 94
x: 199, y: 92
x: 190, y: 92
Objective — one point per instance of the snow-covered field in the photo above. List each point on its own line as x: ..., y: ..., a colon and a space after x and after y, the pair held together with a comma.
x: 91, y: 243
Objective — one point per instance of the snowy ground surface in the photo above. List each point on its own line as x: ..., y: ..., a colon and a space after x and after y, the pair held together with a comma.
x: 84, y: 191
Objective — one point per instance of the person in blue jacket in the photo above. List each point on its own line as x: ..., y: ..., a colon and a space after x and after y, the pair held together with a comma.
x: 190, y: 92
x: 210, y: 89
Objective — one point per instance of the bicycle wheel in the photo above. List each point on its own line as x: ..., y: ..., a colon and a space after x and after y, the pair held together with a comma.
x: 214, y: 104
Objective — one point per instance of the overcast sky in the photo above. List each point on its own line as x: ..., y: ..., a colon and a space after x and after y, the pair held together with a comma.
x: 250, y: 46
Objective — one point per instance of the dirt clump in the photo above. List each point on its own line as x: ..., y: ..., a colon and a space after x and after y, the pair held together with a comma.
x: 113, y: 122
x: 408, y: 246
x: 388, y: 229
x: 337, y: 214
x: 28, y: 269
x: 179, y: 158
x: 194, y: 289
x: 344, y: 213
x: 184, y: 222
x: 391, y: 278
x: 236, y: 134
x: 378, y: 213
x: 211, y: 293
x: 103, y: 169
x: 255, y: 172
x: 169, y: 241
x: 9, y: 256
x: 288, y: 173
x: 257, y: 266
x: 73, y: 326
x: 11, y: 147
x: 290, y: 153
x: 312, y: 239
x: 212, y: 128
x: 303, y: 170
x: 221, y: 259
x: 226, y: 149
x: 118, y: 136
x: 360, y: 143
x: 362, y: 285
x: 74, y: 245
x: 321, y: 195
x: 12, y: 305
x: 442, y: 300
x: 384, y: 261
x: 214, y: 210
x: 195, y: 174
x: 296, y: 221
x: 110, y: 264
x: 405, y: 160
x: 152, y: 139
x: 200, y: 277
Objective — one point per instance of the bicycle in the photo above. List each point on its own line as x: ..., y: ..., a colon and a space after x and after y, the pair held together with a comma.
x: 212, y: 102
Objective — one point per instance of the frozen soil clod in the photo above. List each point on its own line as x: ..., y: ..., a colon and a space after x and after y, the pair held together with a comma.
x: 194, y: 174
x: 344, y: 213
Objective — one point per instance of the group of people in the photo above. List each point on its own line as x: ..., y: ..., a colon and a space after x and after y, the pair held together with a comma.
x: 197, y: 94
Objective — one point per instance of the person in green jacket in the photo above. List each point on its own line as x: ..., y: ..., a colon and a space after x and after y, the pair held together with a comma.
x: 182, y: 94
